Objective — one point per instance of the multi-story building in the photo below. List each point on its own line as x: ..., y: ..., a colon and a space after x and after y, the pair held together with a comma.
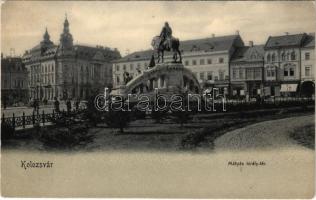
x: 13, y: 81
x: 67, y: 70
x: 308, y: 66
x: 246, y: 71
x: 282, y: 68
x: 207, y: 58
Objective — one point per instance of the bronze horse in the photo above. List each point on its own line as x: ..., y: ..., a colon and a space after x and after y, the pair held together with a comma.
x: 161, y: 47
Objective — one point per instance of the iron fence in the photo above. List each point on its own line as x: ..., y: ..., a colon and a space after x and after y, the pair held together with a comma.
x: 32, y: 120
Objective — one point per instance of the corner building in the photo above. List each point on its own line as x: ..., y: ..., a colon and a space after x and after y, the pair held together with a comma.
x: 282, y: 68
x: 67, y: 71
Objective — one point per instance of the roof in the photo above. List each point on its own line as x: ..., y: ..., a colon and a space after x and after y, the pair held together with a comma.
x: 285, y: 40
x: 96, y: 53
x: 81, y: 51
x: 12, y: 64
x: 211, y: 44
x: 309, y: 41
x: 248, y: 54
x: 138, y: 55
x: 38, y: 53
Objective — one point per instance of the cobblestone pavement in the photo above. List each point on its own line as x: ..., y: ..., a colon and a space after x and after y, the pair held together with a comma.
x: 264, y: 135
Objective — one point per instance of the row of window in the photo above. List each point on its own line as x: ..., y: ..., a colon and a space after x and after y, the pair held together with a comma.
x: 248, y: 73
x: 287, y: 72
x: 202, y: 61
x: 186, y: 63
x: 203, y: 76
x: 17, y: 83
x: 44, y: 68
x: 131, y: 66
x: 286, y: 56
x: 45, y: 79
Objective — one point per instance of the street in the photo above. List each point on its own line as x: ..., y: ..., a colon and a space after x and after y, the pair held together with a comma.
x: 18, y: 111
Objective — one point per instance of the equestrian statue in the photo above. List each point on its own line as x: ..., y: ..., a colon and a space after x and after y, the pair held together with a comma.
x: 166, y: 42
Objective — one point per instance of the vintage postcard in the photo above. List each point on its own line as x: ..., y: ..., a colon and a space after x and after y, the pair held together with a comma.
x: 158, y: 99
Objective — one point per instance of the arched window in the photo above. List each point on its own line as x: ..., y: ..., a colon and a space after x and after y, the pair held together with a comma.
x: 283, y: 56
x: 273, y: 57
x: 288, y: 56
x: 268, y: 58
x: 293, y: 56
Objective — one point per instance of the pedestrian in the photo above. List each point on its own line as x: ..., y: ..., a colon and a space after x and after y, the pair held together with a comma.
x: 34, y: 105
x: 68, y: 104
x: 56, y: 104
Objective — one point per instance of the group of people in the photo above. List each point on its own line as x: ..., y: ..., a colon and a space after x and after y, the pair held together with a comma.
x: 76, y: 104
x: 68, y: 105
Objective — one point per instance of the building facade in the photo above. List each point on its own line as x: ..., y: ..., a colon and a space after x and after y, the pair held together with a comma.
x: 207, y: 58
x: 308, y: 66
x: 66, y: 70
x: 14, y: 81
x: 246, y: 73
x: 283, y: 64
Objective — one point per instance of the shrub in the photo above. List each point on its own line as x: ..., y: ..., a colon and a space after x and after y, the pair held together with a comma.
x: 158, y: 115
x: 182, y: 117
x: 117, y: 119
x: 92, y: 114
x: 192, y: 140
x: 7, y: 131
x: 69, y: 131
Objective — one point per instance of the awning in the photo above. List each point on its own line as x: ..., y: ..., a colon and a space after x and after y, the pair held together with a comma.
x: 288, y: 88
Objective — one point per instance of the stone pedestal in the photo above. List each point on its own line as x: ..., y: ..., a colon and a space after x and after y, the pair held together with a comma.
x: 167, y: 77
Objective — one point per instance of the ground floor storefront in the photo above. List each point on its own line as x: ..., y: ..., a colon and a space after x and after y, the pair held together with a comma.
x: 289, y: 88
x: 246, y: 89
x: 221, y: 88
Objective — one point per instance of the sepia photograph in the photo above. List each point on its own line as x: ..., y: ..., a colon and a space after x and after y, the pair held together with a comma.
x: 158, y: 99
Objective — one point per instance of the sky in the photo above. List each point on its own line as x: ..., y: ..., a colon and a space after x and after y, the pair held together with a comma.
x: 130, y: 26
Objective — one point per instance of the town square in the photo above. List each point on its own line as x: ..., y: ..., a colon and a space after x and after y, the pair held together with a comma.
x: 214, y: 82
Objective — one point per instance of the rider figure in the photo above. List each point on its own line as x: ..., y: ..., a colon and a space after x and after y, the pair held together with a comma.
x: 166, y: 34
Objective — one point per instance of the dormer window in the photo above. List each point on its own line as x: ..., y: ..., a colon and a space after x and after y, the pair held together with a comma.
x: 268, y: 58
x: 273, y: 57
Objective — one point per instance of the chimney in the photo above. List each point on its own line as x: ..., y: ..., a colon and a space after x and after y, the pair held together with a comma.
x: 213, y: 35
x: 286, y: 33
x: 251, y: 43
x: 237, y: 32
